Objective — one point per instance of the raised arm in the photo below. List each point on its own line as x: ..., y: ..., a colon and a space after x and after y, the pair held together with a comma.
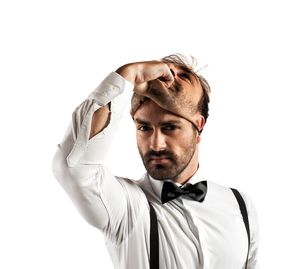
x: 103, y: 199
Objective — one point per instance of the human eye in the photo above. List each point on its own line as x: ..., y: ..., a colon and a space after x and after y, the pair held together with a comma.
x: 143, y: 128
x: 169, y: 127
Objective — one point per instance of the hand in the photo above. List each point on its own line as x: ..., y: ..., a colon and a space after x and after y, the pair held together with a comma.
x: 140, y: 73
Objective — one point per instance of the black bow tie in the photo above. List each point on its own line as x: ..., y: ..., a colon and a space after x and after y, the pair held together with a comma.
x: 171, y: 191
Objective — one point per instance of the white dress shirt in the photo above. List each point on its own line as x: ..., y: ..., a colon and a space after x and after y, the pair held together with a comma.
x: 192, y: 235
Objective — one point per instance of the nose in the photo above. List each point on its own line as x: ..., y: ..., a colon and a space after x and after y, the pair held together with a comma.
x: 158, y: 142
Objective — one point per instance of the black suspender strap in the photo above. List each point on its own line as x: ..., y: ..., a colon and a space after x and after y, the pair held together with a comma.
x: 154, y: 244
x: 244, y: 212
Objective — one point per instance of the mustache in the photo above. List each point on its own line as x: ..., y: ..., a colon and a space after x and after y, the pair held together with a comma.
x: 165, y: 153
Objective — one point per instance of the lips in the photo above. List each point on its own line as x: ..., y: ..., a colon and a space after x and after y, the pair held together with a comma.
x: 159, y: 160
x: 159, y: 157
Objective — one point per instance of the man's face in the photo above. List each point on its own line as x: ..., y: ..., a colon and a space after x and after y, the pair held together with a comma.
x: 166, y: 142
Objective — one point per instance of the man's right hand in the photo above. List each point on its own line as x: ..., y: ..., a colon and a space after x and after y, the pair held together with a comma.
x: 140, y: 73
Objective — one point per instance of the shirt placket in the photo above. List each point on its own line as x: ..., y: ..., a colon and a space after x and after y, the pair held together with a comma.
x: 195, y: 232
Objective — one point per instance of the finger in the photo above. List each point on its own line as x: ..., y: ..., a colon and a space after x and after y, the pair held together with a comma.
x: 169, y: 77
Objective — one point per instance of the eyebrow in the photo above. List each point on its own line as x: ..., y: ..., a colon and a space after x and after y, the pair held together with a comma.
x: 144, y: 122
x: 140, y: 121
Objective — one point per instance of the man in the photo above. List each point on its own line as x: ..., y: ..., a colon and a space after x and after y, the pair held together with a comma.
x: 170, y: 218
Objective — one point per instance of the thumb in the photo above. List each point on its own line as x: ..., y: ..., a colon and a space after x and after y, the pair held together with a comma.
x: 168, y: 77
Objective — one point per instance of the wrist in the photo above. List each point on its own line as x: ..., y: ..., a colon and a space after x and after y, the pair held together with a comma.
x: 127, y: 72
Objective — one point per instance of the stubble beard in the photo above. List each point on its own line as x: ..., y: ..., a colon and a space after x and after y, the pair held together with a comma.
x: 173, y: 168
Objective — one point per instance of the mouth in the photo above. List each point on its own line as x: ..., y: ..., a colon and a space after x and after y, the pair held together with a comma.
x: 159, y: 160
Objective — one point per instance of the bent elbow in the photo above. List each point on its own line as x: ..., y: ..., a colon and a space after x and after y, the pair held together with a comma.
x: 80, y: 190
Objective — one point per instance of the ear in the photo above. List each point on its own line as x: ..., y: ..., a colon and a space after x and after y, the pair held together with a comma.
x: 199, y: 121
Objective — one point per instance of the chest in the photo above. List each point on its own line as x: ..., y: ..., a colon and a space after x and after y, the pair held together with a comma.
x: 214, y: 234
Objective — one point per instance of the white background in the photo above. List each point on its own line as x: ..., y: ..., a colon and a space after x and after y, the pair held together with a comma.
x: 54, y: 53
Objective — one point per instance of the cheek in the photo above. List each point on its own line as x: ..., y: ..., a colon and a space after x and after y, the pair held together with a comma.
x: 141, y: 142
x: 186, y: 141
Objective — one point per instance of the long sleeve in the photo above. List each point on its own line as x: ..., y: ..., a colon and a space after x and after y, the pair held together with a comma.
x: 101, y: 198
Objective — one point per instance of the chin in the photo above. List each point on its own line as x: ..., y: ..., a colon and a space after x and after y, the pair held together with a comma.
x: 162, y: 173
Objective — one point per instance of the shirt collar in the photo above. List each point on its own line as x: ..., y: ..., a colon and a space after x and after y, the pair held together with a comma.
x: 158, y: 184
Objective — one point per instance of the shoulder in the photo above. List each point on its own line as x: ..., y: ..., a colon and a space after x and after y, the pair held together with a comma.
x: 217, y: 192
x: 136, y: 199
x: 130, y: 185
x: 222, y: 195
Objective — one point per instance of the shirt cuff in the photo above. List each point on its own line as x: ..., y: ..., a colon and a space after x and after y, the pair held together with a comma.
x: 112, y: 86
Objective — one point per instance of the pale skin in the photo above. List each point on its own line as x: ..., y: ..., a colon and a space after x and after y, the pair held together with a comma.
x: 157, y: 129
